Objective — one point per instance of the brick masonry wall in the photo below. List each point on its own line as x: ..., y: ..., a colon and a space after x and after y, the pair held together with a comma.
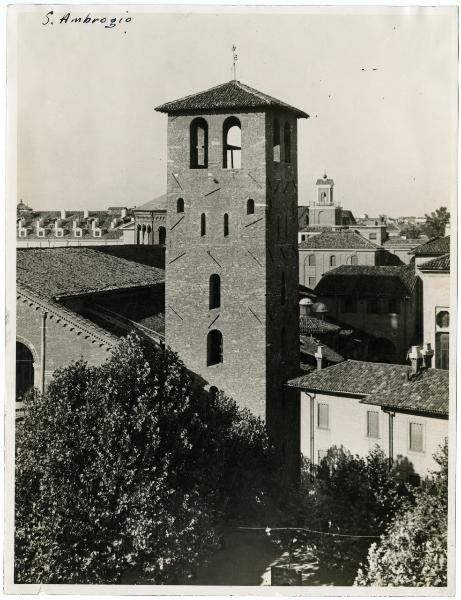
x: 62, y: 346
x: 249, y: 261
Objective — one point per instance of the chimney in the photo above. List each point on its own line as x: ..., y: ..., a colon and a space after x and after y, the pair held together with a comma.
x: 305, y: 307
x: 63, y: 213
x: 86, y: 214
x: 123, y: 213
x: 75, y: 223
x: 415, y: 357
x: 427, y: 354
x: 319, y: 357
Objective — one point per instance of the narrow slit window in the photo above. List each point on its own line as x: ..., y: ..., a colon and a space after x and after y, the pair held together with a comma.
x: 214, y: 347
x: 180, y: 205
x: 372, y: 423
x: 215, y: 291
x: 202, y: 224
x: 226, y: 225
x: 250, y: 206
x: 287, y: 142
x: 232, y: 143
x: 416, y: 437
x: 276, y: 141
x: 199, y: 144
x: 323, y: 416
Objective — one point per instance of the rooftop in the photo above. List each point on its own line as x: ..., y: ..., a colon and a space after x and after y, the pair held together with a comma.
x: 55, y: 273
x: 350, y: 279
x: 312, y: 326
x: 433, y: 247
x: 382, y: 384
x: 309, y: 346
x: 158, y: 203
x: 441, y: 263
x: 399, y: 241
x: 337, y: 240
x: 231, y: 95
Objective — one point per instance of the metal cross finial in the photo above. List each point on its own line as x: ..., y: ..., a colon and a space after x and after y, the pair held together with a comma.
x: 235, y: 58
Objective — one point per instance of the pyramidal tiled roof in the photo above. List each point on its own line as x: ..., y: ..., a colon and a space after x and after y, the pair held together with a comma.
x: 442, y: 263
x: 230, y: 95
x: 158, y: 203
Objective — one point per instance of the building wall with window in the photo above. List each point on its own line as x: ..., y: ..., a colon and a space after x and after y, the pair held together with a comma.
x: 314, y: 263
x: 345, y: 421
x: 436, y: 314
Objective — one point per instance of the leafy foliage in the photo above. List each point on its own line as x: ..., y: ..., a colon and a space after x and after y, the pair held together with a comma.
x: 436, y: 222
x: 412, y: 232
x: 350, y: 496
x: 129, y: 466
x: 413, y: 551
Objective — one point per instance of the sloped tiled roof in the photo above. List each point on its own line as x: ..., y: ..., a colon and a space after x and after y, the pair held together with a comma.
x: 230, y: 95
x: 309, y: 346
x: 313, y: 326
x: 158, y: 203
x: 337, y: 240
x: 425, y: 392
x: 398, y: 241
x: 382, y: 384
x: 435, y: 246
x: 442, y: 263
x: 75, y: 271
x: 364, y: 279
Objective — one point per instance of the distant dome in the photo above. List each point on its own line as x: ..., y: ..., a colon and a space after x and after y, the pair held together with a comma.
x: 306, y: 302
x: 319, y: 307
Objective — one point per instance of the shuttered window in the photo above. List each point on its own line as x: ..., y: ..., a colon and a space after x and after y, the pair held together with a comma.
x: 373, y: 423
x: 323, y: 416
x: 416, y: 437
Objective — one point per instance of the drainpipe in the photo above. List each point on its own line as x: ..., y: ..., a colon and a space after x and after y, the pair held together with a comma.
x: 391, y: 436
x: 312, y: 428
x: 43, y: 351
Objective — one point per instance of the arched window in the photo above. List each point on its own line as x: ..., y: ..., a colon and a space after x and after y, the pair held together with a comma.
x: 143, y: 234
x: 232, y: 143
x: 311, y: 260
x: 283, y: 289
x: 214, y: 348
x: 202, y: 224
x: 214, y: 392
x: 250, y: 206
x: 333, y: 261
x: 149, y: 235
x: 226, y: 225
x: 138, y: 234
x: 443, y: 319
x: 354, y: 260
x: 287, y: 142
x: 215, y: 291
x: 161, y: 236
x: 276, y: 141
x: 199, y: 144
x: 24, y: 370
x: 180, y: 205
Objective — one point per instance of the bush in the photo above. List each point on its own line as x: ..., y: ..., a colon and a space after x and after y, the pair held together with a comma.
x: 413, y: 551
x: 346, y: 495
x: 129, y: 466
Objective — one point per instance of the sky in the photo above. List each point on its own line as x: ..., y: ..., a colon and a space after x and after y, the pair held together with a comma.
x: 380, y: 86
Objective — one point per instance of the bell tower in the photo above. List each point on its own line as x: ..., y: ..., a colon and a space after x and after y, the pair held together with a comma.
x: 232, y: 257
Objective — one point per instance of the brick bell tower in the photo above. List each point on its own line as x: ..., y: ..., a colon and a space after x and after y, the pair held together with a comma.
x: 232, y: 253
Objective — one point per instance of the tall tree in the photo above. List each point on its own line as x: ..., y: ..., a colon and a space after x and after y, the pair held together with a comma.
x: 128, y: 466
x: 436, y: 222
x: 413, y: 551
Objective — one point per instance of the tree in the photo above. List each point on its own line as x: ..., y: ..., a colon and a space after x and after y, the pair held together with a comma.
x: 351, y: 500
x: 436, y: 222
x: 411, y: 232
x: 128, y: 466
x: 413, y: 551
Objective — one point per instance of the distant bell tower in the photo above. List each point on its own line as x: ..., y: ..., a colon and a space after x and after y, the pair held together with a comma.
x: 324, y: 211
x: 232, y: 256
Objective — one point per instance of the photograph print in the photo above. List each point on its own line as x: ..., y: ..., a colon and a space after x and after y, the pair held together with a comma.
x: 228, y: 333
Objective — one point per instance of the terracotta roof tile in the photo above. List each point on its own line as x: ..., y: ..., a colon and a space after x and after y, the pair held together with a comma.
x: 230, y: 95
x: 74, y: 271
x: 337, y: 240
x: 382, y: 384
x: 364, y: 279
x: 312, y: 326
x: 158, y: 203
x: 442, y: 263
x: 435, y: 246
x: 309, y: 346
